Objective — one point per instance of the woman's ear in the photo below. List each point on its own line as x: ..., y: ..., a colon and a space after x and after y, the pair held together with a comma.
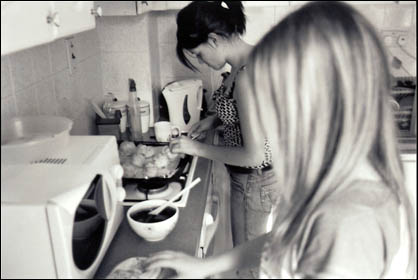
x: 213, y: 40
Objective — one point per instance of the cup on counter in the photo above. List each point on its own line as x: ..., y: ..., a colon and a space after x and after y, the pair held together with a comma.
x: 165, y: 131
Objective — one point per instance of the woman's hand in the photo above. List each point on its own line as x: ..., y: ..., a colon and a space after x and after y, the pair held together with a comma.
x: 186, y: 267
x: 201, y: 126
x: 184, y: 145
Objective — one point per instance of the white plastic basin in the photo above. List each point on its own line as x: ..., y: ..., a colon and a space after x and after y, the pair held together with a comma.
x: 31, y: 138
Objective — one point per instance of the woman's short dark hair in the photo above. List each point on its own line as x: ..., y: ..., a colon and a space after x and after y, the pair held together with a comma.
x: 199, y: 18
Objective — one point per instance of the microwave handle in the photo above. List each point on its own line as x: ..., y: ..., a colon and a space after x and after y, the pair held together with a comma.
x: 101, y: 198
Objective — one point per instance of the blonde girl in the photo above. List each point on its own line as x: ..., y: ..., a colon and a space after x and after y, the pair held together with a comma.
x: 320, y: 81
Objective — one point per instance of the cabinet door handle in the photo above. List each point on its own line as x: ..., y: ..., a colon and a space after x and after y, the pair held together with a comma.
x: 97, y: 12
x: 54, y: 19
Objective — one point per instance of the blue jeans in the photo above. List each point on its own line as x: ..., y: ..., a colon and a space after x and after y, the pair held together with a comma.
x: 252, y: 199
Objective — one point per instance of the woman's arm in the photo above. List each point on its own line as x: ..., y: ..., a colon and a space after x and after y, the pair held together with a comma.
x: 245, y: 255
x: 252, y: 151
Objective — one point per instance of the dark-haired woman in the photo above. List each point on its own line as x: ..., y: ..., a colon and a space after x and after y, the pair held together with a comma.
x: 211, y: 32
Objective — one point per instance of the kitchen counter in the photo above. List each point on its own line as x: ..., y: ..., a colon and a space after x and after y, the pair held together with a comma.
x: 185, y: 237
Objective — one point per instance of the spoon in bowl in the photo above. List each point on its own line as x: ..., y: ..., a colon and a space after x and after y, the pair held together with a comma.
x: 162, y: 207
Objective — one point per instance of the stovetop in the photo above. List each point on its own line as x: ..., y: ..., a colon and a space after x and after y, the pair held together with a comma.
x: 134, y: 195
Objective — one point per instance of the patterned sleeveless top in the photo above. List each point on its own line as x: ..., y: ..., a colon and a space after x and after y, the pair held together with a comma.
x: 227, y: 112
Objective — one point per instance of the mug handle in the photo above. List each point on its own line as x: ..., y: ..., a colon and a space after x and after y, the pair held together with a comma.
x: 175, y: 132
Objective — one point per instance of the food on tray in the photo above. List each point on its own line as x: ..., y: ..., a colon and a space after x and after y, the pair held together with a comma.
x: 144, y: 161
x: 129, y: 170
x: 125, y: 159
x: 150, y: 170
x: 141, y: 149
x: 163, y: 172
x: 147, y: 151
x: 138, y: 160
x: 133, y: 268
x: 127, y: 148
x: 161, y: 160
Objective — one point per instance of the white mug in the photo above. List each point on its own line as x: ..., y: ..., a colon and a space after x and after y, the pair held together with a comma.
x: 165, y: 131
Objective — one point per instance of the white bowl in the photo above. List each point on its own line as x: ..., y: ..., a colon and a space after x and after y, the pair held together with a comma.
x: 152, y: 231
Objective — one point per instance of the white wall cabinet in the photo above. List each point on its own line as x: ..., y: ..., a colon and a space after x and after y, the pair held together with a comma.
x: 133, y: 8
x: 27, y: 24
x: 117, y: 8
x: 148, y: 6
x: 24, y: 24
x: 74, y: 17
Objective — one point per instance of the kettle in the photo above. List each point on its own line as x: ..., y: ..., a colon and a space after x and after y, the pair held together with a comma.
x: 184, y: 101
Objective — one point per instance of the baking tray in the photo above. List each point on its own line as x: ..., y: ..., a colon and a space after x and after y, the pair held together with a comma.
x: 158, y: 182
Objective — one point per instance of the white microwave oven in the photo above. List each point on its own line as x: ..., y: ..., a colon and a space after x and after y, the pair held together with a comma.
x: 59, y: 216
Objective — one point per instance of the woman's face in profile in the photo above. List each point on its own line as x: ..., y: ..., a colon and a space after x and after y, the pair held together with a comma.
x: 207, y: 54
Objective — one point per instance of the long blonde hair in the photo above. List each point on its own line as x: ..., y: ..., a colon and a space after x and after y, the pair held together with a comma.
x: 320, y: 78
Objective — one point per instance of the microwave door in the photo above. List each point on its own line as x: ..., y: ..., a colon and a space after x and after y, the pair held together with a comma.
x: 89, y: 227
x: 103, y: 199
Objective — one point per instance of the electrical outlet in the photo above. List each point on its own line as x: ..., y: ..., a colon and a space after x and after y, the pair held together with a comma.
x: 394, y: 38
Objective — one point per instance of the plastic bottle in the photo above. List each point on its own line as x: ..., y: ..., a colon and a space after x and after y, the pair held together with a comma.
x: 134, y: 113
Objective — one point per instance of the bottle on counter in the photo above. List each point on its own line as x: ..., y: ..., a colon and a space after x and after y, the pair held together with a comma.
x: 134, y: 113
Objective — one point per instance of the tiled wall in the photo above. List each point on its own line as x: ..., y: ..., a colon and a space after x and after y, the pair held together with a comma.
x: 38, y: 81
x: 143, y: 47
x: 125, y: 53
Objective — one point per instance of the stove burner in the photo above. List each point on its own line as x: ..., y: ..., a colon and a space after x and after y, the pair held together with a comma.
x: 152, y: 191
